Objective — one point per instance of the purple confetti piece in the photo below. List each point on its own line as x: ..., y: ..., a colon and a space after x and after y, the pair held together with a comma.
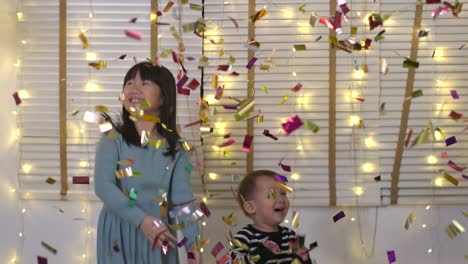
x: 41, y: 260
x: 230, y: 107
x: 116, y: 248
x: 17, y: 98
x: 205, y: 209
x: 455, y: 166
x: 450, y: 141
x: 234, y: 73
x: 338, y: 216
x: 465, y: 176
x: 292, y: 124
x: 454, y: 94
x: 391, y: 256
x: 175, y: 57
x: 182, y: 81
x: 190, y: 255
x: 281, y: 178
x: 190, y: 58
x: 251, y: 63
x: 182, y: 242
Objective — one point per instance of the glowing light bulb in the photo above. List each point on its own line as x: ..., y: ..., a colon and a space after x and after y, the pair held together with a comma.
x: 429, y: 250
x: 368, y: 167
x: 213, y: 175
x: 438, y: 136
x: 91, y: 87
x: 24, y: 94
x: 20, y: 234
x: 288, y: 13
x: 19, y: 15
x: 355, y: 120
x: 431, y: 159
x: 27, y: 168
x: 89, y: 232
x: 203, y: 223
x: 83, y: 210
x: 294, y: 74
x: 439, y: 182
x: 353, y: 219
x: 23, y: 210
x: 428, y: 207
x: 359, y: 74
x: 153, y: 17
x: 84, y: 164
x: 286, y: 221
x: 370, y: 142
x: 295, y: 176
x: 83, y: 256
x: 13, y: 190
x: 358, y: 190
x: 204, y: 199
x: 91, y: 56
x: 424, y: 225
x: 201, y: 250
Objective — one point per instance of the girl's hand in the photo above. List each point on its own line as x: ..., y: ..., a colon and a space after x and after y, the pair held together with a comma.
x: 303, y: 253
x: 196, y: 256
x: 157, y: 232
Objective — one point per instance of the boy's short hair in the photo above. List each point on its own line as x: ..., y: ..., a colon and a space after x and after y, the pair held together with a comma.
x: 247, y: 185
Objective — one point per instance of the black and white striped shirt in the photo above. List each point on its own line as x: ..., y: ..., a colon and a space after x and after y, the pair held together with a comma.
x: 257, y: 253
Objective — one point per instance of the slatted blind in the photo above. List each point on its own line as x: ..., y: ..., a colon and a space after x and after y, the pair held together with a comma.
x: 106, y: 38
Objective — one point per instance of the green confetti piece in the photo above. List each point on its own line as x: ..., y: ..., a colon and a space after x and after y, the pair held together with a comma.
x: 137, y: 174
x: 301, y: 9
x: 354, y: 30
x: 417, y: 93
x: 410, y: 64
x: 189, y: 167
x: 50, y: 180
x: 145, y: 103
x: 75, y: 112
x: 49, y: 248
x: 265, y: 89
x: 311, y: 126
x: 299, y: 47
x: 379, y: 38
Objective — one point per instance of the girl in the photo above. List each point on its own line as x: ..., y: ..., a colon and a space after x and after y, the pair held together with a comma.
x: 138, y: 193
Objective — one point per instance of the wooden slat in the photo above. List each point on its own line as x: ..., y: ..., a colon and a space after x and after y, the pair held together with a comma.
x: 250, y: 85
x: 154, y: 30
x: 406, y: 104
x: 332, y: 114
x: 63, y: 97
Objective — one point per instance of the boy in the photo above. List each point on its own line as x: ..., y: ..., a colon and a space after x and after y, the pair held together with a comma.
x: 265, y: 241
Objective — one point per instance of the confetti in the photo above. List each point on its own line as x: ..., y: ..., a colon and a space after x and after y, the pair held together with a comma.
x: 115, y: 246
x: 102, y: 64
x: 182, y: 81
x: 230, y: 220
x: 267, y: 134
x: 297, y: 88
x: 132, y: 34
x: 409, y: 220
x: 311, y: 126
x: 205, y: 209
x: 182, y: 242
x: 410, y: 64
x: 84, y: 40
x: 41, y: 260
x: 454, y: 115
x: 299, y: 47
x: 391, y: 256
x: 251, y: 63
x: 450, y: 141
x: 168, y: 6
x: 49, y: 248
x: 377, y: 178
x: 247, y: 143
x: 421, y: 138
x: 444, y: 155
x: 193, y: 84
x: 292, y: 124
x: 224, y: 259
x: 17, y: 98
x: 313, y: 19
x: 451, y: 179
x: 338, y: 216
x: 227, y: 143
x: 284, y: 166
x: 122, y: 57
x: 80, y: 179
x: 454, y: 94
x: 326, y: 22
x: 454, y: 166
x: 265, y: 89
x: 295, y: 220
x: 281, y: 178
x: 216, y: 249
x: 258, y: 15
x: 50, y: 181
x: 284, y: 187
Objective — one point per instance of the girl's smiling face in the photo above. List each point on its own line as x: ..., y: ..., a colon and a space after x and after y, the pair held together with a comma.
x: 136, y: 91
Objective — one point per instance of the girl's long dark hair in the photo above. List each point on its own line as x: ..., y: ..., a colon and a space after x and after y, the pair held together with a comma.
x: 167, y: 111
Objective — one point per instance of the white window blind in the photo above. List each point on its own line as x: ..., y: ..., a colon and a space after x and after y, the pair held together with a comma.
x: 106, y: 38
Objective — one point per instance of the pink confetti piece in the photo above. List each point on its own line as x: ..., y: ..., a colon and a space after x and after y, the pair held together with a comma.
x: 284, y: 166
x: 80, y: 179
x: 454, y: 94
x: 223, y: 67
x: 344, y: 8
x: 292, y: 124
x: 267, y: 133
x: 17, y: 98
x: 182, y: 81
x: 338, y: 216
x: 360, y: 99
x: 433, y: 1
x: 251, y: 63
x: 223, y: 259
x: 198, y: 165
x: 297, y: 88
x: 326, y: 22
x: 182, y: 242
x: 391, y: 256
x: 183, y: 91
x: 205, y: 209
x: 190, y: 58
x: 337, y: 21
x: 281, y: 178
x: 227, y: 143
x: 444, y: 155
x: 367, y: 43
x: 216, y: 249
x: 219, y: 93
x: 193, y: 84
x: 133, y: 34
x: 193, y: 123
x: 247, y: 143
x: 454, y: 166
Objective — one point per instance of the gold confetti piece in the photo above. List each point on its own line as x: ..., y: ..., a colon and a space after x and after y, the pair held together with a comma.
x: 187, y: 147
x: 125, y: 172
x: 421, y: 138
x: 285, y: 98
x: 265, y: 89
x: 259, y: 15
x: 84, y: 40
x: 101, y: 108
x: 176, y: 227
x: 153, y: 119
x: 295, y: 219
x: 50, y: 181
x: 49, y: 248
x: 102, y: 64
x: 296, y: 261
x: 160, y: 143
x: 126, y: 162
x: 409, y: 220
x: 300, y: 47
x: 270, y: 194
x: 75, y: 112
x: 284, y: 187
x: 175, y: 34
x: 354, y: 30
x: 230, y: 220
x: 465, y: 214
x: 214, y: 81
x: 260, y: 120
x: 168, y: 6
x: 301, y: 9
x: 451, y: 179
x: 145, y: 138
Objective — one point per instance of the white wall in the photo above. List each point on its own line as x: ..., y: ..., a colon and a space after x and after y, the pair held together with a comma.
x: 338, y: 242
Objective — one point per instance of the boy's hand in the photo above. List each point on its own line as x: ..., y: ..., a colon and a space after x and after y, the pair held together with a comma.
x: 271, y: 245
x: 303, y: 253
